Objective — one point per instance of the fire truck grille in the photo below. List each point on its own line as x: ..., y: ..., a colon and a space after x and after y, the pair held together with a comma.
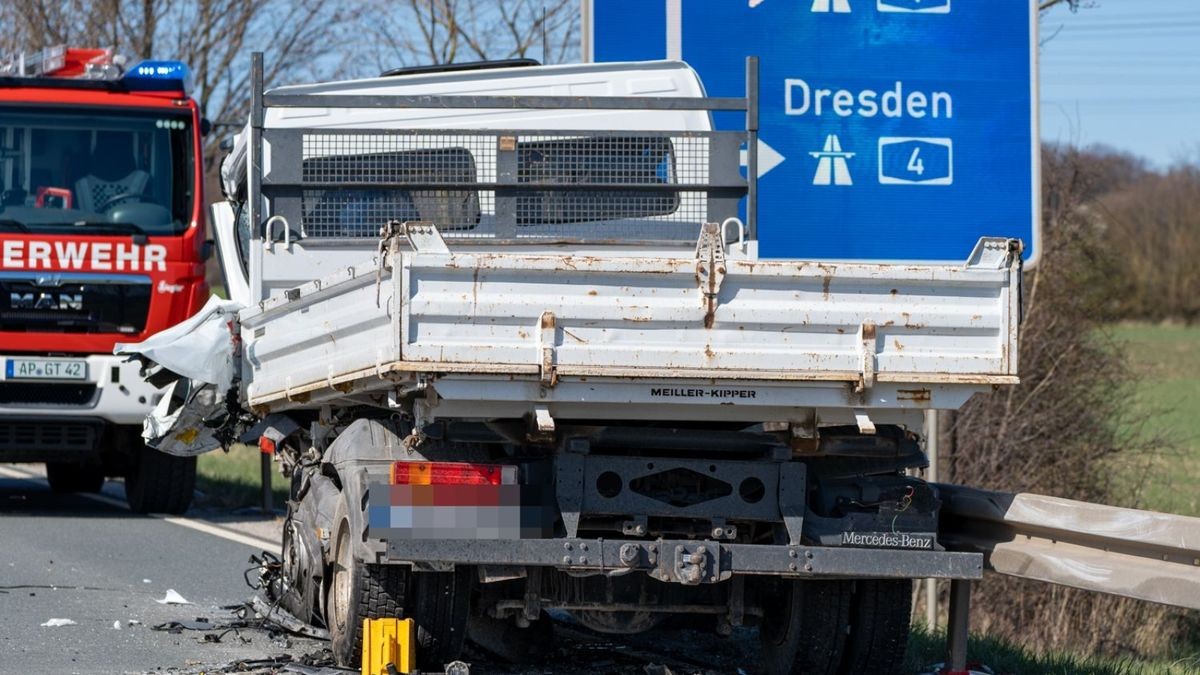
x: 75, y: 306
x: 25, y: 440
x: 46, y: 393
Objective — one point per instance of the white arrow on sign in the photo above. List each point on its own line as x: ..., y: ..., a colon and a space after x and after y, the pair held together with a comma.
x: 756, y: 3
x: 768, y: 158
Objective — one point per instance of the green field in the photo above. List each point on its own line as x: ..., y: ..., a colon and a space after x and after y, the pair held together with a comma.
x: 1166, y: 360
x: 231, y: 480
x: 925, y: 649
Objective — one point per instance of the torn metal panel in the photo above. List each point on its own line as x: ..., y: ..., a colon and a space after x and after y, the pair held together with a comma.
x: 200, y: 348
x: 181, y: 423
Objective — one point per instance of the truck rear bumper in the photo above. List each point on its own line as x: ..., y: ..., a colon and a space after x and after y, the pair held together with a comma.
x: 691, y: 562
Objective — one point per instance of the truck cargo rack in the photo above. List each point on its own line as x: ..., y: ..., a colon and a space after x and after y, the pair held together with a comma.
x: 498, y: 186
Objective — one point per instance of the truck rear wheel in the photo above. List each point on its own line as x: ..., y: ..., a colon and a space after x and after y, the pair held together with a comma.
x: 880, y: 613
x: 159, y: 483
x: 65, y: 477
x: 438, y: 602
x: 358, y: 591
x: 803, y: 628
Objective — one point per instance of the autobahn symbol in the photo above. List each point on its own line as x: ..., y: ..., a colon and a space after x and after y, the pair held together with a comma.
x: 837, y: 6
x: 832, y: 167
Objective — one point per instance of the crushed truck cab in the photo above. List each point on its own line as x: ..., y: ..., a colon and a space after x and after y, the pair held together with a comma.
x: 508, y: 332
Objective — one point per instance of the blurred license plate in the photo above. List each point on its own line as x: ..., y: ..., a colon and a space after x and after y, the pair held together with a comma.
x: 45, y: 369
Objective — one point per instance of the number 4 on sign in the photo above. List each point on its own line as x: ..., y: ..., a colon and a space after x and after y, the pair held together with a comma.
x: 916, y: 164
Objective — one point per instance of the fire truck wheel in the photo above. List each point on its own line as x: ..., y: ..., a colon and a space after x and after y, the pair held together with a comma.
x: 358, y: 591
x: 803, y: 628
x: 880, y: 613
x: 160, y: 483
x: 74, y: 477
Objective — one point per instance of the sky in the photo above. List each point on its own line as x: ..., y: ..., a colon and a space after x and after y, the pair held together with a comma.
x: 1124, y: 73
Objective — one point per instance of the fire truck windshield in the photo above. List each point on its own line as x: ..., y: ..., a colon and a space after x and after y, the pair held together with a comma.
x: 95, y: 171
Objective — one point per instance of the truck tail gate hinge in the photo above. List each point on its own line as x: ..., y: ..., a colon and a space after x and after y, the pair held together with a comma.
x: 710, y: 269
x: 866, y: 353
x: 547, y: 335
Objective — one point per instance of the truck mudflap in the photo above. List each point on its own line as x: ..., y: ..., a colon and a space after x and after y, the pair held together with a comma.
x: 691, y: 562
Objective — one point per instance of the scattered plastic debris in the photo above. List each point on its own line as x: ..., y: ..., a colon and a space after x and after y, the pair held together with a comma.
x: 145, y: 581
x: 55, y: 623
x: 315, y: 663
x: 116, y: 625
x: 200, y: 623
x: 134, y: 622
x: 973, y: 668
x: 173, y: 598
x: 278, y: 616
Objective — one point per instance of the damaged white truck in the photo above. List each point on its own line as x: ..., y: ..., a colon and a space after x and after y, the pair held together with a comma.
x: 510, y: 337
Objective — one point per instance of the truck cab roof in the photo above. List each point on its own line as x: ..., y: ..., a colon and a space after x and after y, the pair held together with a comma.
x: 645, y: 78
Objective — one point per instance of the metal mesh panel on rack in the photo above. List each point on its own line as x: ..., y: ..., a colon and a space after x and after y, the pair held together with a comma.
x: 507, y: 185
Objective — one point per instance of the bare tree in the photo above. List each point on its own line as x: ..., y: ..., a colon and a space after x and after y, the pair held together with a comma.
x: 419, y: 32
x: 1074, y: 4
x: 1074, y: 427
x: 214, y: 37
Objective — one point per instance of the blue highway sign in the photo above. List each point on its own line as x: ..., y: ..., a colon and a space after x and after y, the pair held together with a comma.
x: 890, y: 129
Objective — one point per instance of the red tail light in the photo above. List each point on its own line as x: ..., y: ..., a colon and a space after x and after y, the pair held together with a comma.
x: 452, y: 473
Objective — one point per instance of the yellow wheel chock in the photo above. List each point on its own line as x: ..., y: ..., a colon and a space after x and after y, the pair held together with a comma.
x: 388, y: 642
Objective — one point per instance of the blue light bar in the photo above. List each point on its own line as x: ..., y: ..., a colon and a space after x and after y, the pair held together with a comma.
x: 158, y: 76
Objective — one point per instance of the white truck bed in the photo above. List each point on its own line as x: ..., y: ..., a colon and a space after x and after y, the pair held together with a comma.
x: 503, y: 333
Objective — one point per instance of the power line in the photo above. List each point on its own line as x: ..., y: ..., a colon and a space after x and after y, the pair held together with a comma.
x: 1130, y: 25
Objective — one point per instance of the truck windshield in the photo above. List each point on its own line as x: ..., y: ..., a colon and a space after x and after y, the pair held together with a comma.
x: 95, y: 171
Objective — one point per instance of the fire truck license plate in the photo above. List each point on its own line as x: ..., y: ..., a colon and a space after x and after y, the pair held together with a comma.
x: 45, y: 369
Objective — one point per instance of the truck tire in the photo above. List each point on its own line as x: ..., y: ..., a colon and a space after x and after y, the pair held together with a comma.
x: 880, y: 612
x: 441, y: 604
x: 358, y: 591
x: 64, y: 477
x: 803, y: 629
x: 159, y: 483
x: 438, y: 602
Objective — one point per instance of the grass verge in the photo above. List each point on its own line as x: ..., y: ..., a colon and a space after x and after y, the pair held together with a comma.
x: 925, y: 649
x: 1166, y: 360
x: 232, y: 480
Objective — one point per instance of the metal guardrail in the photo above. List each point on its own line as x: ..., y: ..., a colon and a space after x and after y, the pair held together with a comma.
x: 1127, y: 552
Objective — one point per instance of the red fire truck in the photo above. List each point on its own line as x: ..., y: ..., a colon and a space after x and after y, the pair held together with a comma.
x: 101, y: 241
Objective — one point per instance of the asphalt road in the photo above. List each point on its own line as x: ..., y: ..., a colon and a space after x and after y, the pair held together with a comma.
x: 95, y: 563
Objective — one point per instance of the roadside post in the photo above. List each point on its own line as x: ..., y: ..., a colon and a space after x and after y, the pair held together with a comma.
x: 931, y: 451
x: 266, y: 447
x: 957, y: 631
